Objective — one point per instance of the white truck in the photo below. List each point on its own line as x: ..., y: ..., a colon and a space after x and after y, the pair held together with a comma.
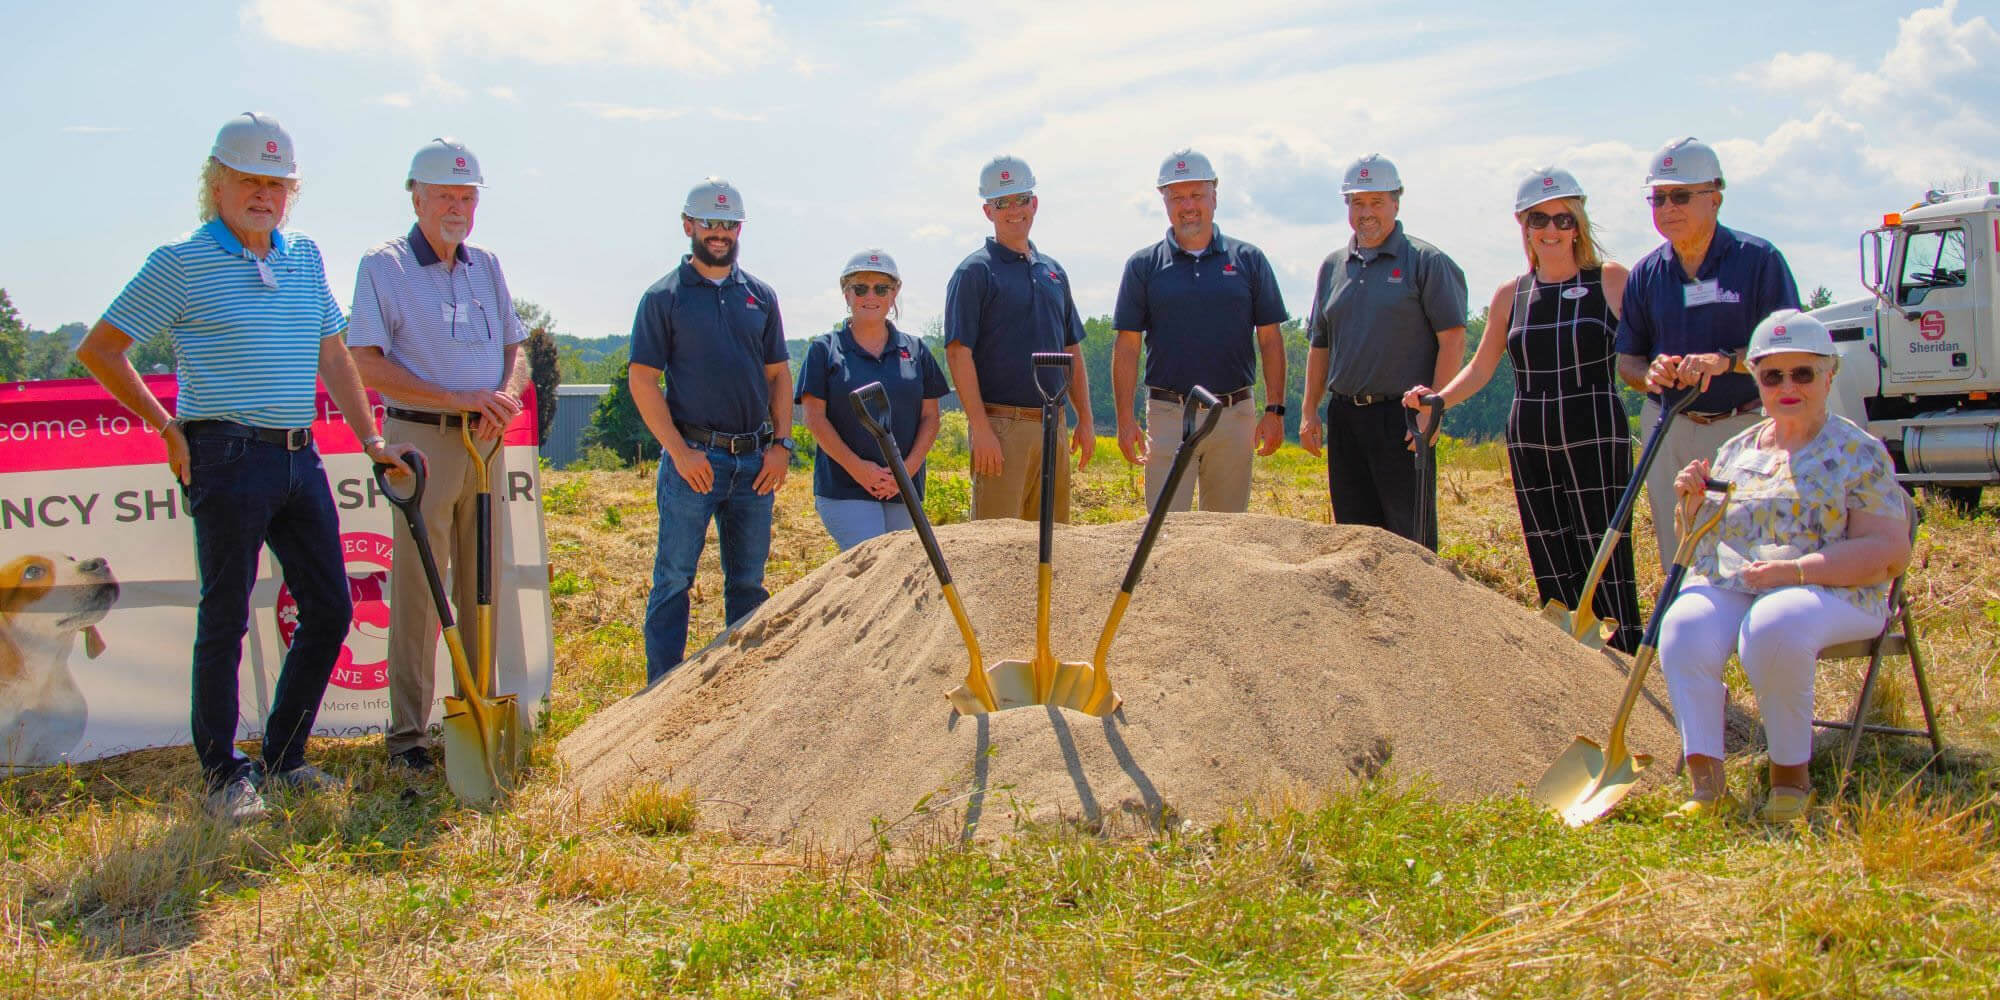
x: 1920, y: 357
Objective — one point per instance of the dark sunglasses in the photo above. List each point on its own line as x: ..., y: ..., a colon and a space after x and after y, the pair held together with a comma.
x: 726, y: 225
x: 1541, y: 220
x: 1010, y: 201
x: 860, y: 291
x: 1680, y: 197
x: 1775, y: 377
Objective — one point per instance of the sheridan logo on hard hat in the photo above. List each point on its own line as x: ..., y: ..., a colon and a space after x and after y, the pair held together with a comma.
x: 1006, y: 175
x: 1364, y: 173
x: 1548, y: 182
x: 271, y: 151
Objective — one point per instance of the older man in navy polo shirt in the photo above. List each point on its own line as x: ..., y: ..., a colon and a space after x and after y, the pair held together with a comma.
x: 434, y: 332
x: 1206, y: 306
x: 1689, y: 309
x: 1005, y: 302
x: 710, y: 377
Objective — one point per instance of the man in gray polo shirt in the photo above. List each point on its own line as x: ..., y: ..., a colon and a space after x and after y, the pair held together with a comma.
x: 1388, y: 313
x: 433, y: 330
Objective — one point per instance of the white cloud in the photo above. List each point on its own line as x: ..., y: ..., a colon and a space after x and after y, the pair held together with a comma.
x: 704, y: 36
x: 396, y: 100
x: 500, y: 93
x: 722, y: 115
x: 628, y: 112
x: 94, y: 129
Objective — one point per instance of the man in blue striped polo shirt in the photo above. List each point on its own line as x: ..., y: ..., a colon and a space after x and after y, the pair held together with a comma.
x: 434, y: 332
x: 710, y: 377
x: 253, y: 322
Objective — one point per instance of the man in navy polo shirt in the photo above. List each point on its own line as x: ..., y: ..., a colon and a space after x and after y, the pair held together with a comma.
x: 1005, y: 302
x: 710, y: 377
x: 1388, y: 310
x: 1687, y: 316
x: 1206, y: 306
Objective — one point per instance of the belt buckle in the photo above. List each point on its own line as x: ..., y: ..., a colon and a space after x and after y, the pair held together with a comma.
x: 298, y: 438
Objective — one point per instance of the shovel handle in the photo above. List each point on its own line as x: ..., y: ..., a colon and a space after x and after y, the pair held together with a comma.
x: 1057, y: 364
x: 413, y: 513
x: 871, y: 404
x: 1422, y: 430
x: 419, y: 472
x: 1193, y: 429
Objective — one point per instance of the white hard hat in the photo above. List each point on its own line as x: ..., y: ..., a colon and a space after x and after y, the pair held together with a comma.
x: 445, y: 161
x: 1546, y: 184
x: 1684, y: 161
x: 255, y: 143
x: 1004, y: 176
x: 715, y: 199
x: 1790, y: 330
x: 1185, y: 165
x: 872, y: 259
x: 1373, y: 172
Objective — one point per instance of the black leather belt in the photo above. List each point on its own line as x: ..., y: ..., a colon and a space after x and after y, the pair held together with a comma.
x: 735, y: 444
x: 443, y: 421
x: 1365, y: 399
x: 1177, y: 398
x: 1710, y: 418
x: 288, y: 438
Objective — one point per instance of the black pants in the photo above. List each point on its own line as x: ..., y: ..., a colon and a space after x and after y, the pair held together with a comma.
x: 246, y: 495
x: 1571, y: 457
x: 1370, y: 472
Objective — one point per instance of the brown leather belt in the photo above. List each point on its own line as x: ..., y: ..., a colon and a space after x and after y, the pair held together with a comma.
x: 1705, y: 419
x: 1013, y: 412
x: 1177, y: 398
x: 441, y: 421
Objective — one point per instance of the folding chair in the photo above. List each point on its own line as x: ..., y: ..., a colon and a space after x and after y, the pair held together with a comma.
x: 1897, y: 638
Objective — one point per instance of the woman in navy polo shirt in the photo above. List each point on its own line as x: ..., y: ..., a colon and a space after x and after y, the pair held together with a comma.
x: 854, y: 492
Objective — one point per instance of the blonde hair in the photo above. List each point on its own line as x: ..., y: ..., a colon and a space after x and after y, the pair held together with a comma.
x: 1589, y: 255
x: 216, y: 173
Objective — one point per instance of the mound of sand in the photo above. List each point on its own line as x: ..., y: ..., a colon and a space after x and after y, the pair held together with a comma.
x: 1259, y: 654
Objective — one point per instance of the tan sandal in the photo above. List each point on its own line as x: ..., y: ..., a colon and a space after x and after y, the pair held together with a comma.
x: 1721, y: 807
x: 1786, y: 805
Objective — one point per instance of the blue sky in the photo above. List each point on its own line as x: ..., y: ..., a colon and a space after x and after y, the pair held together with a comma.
x: 851, y: 126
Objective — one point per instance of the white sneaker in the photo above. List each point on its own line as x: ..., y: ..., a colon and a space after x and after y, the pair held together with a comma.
x: 237, y: 802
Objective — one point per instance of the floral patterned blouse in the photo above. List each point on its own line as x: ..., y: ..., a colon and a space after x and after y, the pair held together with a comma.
x: 1788, y: 505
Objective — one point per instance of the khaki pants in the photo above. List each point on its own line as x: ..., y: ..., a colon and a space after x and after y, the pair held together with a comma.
x: 448, y: 505
x: 1017, y: 490
x: 1221, y: 462
x: 1685, y: 442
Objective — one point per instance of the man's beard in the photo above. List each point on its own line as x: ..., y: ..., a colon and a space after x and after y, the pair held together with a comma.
x: 727, y: 258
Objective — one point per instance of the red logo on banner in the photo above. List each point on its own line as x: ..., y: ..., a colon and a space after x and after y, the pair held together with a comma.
x: 363, y: 664
x: 1931, y: 327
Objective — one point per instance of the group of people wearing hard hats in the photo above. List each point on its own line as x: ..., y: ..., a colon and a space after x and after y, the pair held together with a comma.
x: 433, y: 330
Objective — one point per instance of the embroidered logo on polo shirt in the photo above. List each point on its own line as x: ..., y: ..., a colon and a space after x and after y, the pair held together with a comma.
x: 750, y: 300
x: 903, y: 352
x: 1053, y: 276
x: 1229, y: 269
x: 1396, y: 275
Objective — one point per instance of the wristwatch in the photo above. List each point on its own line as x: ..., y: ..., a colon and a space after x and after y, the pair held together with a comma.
x: 372, y: 443
x: 787, y: 443
x: 1277, y: 408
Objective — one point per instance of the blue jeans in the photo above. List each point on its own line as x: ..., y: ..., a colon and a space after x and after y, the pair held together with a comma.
x: 244, y: 495
x: 852, y: 522
x: 743, y: 528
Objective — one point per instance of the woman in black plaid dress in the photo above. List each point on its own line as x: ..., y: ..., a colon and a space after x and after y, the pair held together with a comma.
x: 1568, y: 439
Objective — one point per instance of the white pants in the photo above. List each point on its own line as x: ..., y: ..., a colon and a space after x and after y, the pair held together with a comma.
x: 1778, y: 636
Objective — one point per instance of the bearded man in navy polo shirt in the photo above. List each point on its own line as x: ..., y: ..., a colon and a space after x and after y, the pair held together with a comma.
x: 1689, y: 308
x: 710, y: 377
x: 1206, y: 306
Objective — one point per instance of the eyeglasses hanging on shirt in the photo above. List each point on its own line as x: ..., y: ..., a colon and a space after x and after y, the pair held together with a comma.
x: 464, y: 318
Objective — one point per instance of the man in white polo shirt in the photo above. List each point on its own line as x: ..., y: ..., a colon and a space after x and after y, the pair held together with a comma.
x: 433, y: 330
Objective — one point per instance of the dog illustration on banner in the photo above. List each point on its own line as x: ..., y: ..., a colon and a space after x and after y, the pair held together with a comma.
x: 46, y: 599
x: 363, y: 664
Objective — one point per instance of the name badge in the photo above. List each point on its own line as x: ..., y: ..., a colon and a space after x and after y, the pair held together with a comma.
x: 456, y: 313
x: 1701, y: 293
x: 266, y: 275
x: 1576, y: 292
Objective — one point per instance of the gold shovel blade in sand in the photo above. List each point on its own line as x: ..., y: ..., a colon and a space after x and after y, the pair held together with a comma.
x: 1588, y: 779
x: 1043, y: 680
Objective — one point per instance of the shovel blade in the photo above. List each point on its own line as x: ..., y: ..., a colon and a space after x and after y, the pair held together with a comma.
x: 466, y: 766
x: 1013, y: 684
x: 503, y: 736
x: 1585, y: 783
x: 1585, y: 628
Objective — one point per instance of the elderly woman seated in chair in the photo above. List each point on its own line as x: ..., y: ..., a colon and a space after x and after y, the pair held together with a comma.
x: 1803, y: 559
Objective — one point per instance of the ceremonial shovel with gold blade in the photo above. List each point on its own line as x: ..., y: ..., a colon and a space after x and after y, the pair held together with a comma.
x: 1082, y: 687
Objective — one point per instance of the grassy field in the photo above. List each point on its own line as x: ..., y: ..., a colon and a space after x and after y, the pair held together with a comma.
x: 112, y: 884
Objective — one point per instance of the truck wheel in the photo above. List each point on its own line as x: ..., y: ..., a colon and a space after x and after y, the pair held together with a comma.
x: 1963, y: 500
